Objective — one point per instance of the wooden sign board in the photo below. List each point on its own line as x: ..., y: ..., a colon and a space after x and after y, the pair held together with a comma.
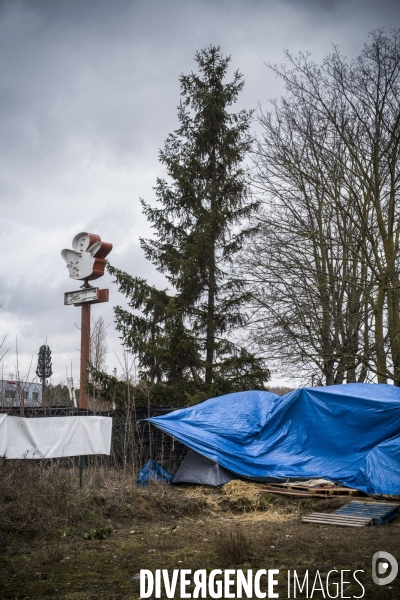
x: 86, y: 296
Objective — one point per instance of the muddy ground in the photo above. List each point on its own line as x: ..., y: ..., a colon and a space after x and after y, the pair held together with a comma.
x: 192, y: 528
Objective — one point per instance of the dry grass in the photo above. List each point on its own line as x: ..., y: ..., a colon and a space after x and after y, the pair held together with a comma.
x: 45, y: 517
x: 75, y: 568
x: 44, y: 501
x: 238, y: 491
x: 233, y: 546
x: 244, y: 498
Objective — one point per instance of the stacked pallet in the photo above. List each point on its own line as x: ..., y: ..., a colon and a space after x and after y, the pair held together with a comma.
x: 357, y: 514
x: 310, y: 490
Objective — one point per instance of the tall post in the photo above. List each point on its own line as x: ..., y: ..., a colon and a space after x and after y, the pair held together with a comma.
x: 86, y: 262
x: 85, y: 354
x: 21, y: 399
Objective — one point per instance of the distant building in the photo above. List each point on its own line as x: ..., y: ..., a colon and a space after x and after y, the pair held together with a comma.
x: 15, y: 393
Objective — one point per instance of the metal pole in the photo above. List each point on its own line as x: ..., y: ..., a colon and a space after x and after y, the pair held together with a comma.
x: 21, y: 399
x: 80, y: 471
x: 85, y: 354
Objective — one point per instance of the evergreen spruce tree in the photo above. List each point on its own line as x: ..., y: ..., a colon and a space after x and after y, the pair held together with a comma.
x: 44, y: 369
x: 183, y: 338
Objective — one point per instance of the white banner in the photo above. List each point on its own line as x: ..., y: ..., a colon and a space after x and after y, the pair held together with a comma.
x: 3, y: 434
x: 54, y: 437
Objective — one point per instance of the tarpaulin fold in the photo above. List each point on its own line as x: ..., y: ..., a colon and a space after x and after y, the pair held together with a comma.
x: 153, y: 471
x: 346, y: 433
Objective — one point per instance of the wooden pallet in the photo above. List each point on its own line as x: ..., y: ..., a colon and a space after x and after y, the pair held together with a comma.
x: 333, y: 491
x: 304, y: 490
x: 380, y: 512
x: 357, y: 514
x: 291, y: 492
x: 341, y: 520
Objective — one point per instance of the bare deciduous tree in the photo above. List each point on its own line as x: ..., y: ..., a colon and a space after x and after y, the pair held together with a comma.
x: 98, y: 344
x: 98, y: 353
x: 324, y: 271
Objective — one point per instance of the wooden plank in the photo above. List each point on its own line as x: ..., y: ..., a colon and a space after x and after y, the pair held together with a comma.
x: 349, y: 523
x: 286, y: 488
x: 318, y: 489
x: 334, y: 515
x: 338, y: 523
x: 338, y: 519
x: 296, y: 487
x: 361, y: 504
x: 334, y: 491
x: 343, y: 490
x: 341, y: 523
x: 291, y: 493
x: 332, y: 519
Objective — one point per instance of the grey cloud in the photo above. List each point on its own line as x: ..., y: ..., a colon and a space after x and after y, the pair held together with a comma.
x: 88, y: 94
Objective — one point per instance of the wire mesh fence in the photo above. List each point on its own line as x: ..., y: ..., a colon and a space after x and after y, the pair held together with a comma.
x: 134, y: 441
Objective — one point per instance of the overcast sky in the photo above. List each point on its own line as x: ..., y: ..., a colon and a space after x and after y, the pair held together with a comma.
x: 88, y: 94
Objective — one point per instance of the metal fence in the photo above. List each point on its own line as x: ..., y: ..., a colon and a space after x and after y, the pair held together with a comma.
x: 134, y: 441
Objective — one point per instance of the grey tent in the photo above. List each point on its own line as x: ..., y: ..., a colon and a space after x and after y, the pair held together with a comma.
x: 198, y: 469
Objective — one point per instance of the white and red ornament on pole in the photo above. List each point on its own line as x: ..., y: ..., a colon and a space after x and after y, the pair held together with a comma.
x: 86, y: 262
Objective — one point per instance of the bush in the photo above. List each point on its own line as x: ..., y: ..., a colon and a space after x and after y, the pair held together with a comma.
x: 233, y: 546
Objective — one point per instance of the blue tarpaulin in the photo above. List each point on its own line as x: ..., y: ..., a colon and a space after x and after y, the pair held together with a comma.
x: 346, y: 433
x: 152, y: 471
